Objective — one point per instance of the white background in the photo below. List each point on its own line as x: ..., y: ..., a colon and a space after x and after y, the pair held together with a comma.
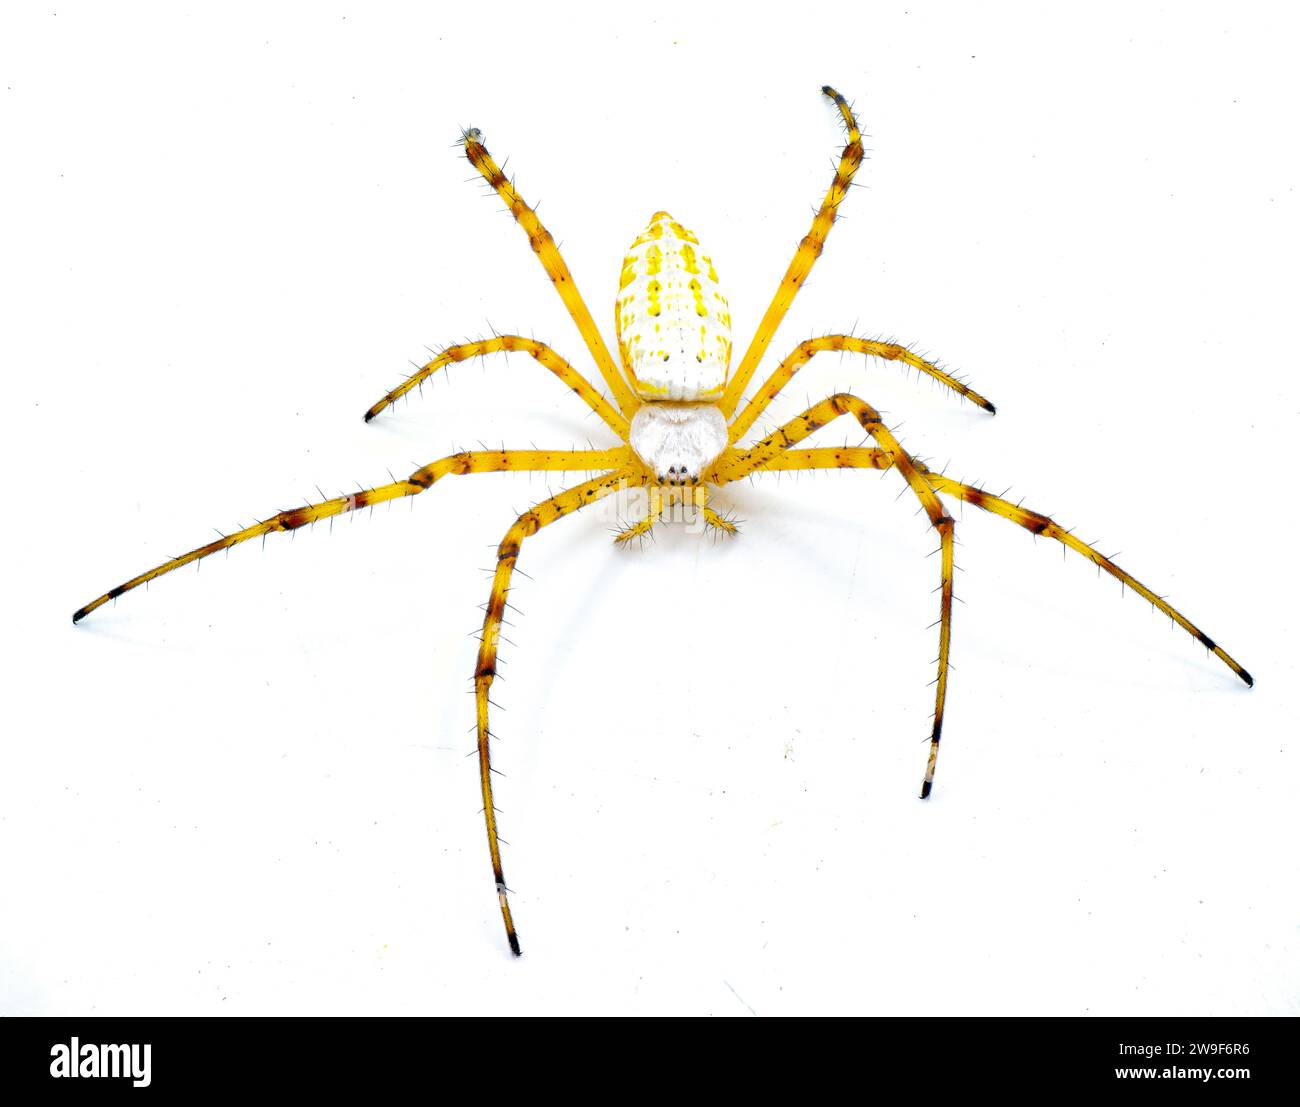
x: 226, y: 231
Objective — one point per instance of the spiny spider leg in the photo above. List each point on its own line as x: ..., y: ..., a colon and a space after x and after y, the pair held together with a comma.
x: 489, y: 461
x: 818, y: 416
x: 830, y: 457
x: 549, y: 255
x: 804, y: 352
x: 1040, y: 524
x: 857, y: 457
x: 809, y: 250
x: 737, y: 462
x: 547, y: 357
x: 1032, y: 521
x: 528, y: 524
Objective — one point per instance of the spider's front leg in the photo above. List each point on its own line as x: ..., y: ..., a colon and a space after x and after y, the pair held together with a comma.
x: 528, y: 524
x: 735, y: 464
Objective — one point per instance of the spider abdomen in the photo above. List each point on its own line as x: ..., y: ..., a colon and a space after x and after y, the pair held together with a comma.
x: 672, y: 320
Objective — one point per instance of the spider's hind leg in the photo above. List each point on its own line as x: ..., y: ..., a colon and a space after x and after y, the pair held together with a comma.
x: 810, y: 248
x: 549, y: 255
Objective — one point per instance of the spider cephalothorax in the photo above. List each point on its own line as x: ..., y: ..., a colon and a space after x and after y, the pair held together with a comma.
x: 674, y: 405
x: 678, y: 441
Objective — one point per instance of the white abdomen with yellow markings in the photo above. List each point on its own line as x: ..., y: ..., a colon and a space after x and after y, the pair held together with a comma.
x: 673, y: 323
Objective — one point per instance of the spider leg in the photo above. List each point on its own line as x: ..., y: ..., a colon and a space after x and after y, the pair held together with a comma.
x: 549, y: 255
x: 1035, y: 523
x: 817, y: 416
x: 490, y: 461
x: 1032, y: 521
x: 809, y: 250
x: 738, y: 462
x: 528, y: 524
x: 840, y: 457
x: 544, y: 355
x: 804, y: 352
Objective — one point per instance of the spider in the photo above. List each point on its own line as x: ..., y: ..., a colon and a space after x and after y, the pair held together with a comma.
x: 676, y: 410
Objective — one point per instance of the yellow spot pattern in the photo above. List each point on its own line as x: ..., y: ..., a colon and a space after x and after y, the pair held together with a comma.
x: 672, y: 320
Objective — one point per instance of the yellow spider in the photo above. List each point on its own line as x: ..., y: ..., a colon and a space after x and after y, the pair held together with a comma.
x: 674, y: 409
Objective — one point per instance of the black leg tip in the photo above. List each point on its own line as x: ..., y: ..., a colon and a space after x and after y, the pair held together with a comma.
x: 368, y: 416
x: 1250, y: 680
x: 514, y: 945
x: 925, y: 789
x: 990, y: 408
x: 77, y: 616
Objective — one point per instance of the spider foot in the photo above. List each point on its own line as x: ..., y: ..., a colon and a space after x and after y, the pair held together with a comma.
x: 512, y: 936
